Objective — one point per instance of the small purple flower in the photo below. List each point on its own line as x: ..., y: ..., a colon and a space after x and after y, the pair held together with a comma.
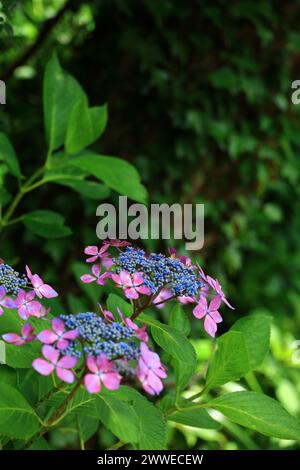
x: 133, y: 286
x: 99, y: 253
x: 95, y: 276
x: 103, y: 371
x: 150, y: 371
x: 59, y: 335
x: 40, y: 288
x: 26, y: 305
x: 17, y: 340
x: 210, y: 312
x: 5, y: 302
x: 61, y: 366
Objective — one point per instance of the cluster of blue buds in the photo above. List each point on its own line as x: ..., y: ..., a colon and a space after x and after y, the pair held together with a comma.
x: 100, y: 336
x: 11, y: 280
x: 160, y: 271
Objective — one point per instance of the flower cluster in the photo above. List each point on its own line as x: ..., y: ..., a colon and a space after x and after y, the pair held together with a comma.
x: 159, y: 271
x: 158, y: 278
x: 101, y: 349
x: 11, y: 280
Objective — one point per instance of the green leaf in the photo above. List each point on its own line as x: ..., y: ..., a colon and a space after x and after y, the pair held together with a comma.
x: 61, y: 92
x: 171, y: 340
x: 197, y: 418
x: 117, y: 416
x: 239, y: 351
x: 114, y: 301
x: 8, y: 155
x: 85, y: 126
x: 259, y: 413
x: 151, y: 423
x: 89, y: 189
x: 256, y: 330
x: 47, y: 224
x: 183, y: 374
x: 179, y: 320
x: 17, y: 418
x: 87, y: 427
x: 117, y: 174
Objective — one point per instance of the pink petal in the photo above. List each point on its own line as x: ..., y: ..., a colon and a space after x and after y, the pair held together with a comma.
x: 131, y: 293
x: 116, y: 278
x: 210, y: 326
x: 92, y: 259
x: 65, y: 375
x: 36, y: 281
x: 92, y: 383
x: 67, y: 362
x: 107, y: 262
x: 47, y: 291
x: 91, y: 364
x: 87, y: 278
x: 216, y: 316
x: 8, y: 303
x: 144, y: 290
x: 138, y: 279
x: 28, y: 272
x: 27, y: 330
x: 47, y: 337
x: 62, y: 344
x: 103, y: 364
x: 215, y: 302
x: 42, y: 366
x: 50, y: 353
x: 151, y: 359
x: 111, y: 380
x: 200, y: 310
x: 23, y: 313
x: 70, y: 334
x: 58, y: 325
x: 96, y: 270
x: 125, y: 278
x: 34, y: 308
x: 91, y: 250
x: 11, y: 337
x: 102, y: 279
x: 227, y: 303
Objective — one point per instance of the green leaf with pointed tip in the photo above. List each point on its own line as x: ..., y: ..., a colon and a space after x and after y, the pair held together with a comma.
x: 259, y: 413
x: 8, y: 155
x: 46, y: 224
x: 117, y: 416
x: 151, y: 423
x: 85, y: 125
x: 178, y: 319
x: 61, y: 92
x: 117, y: 174
x: 196, y: 418
x: 239, y: 351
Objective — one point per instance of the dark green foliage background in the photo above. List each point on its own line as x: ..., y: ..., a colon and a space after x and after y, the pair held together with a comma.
x: 199, y: 98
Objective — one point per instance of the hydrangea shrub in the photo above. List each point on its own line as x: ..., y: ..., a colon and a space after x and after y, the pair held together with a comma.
x: 106, y: 365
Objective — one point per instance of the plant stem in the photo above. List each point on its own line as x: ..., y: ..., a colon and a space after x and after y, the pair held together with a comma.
x: 57, y: 415
x: 253, y: 382
x: 117, y: 446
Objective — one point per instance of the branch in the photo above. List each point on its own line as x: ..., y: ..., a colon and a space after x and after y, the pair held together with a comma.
x: 46, y: 29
